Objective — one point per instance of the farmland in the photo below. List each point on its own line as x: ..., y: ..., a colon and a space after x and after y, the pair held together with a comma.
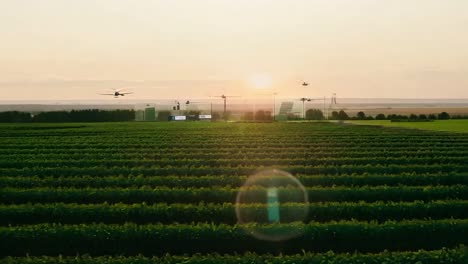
x: 166, y: 192
x: 439, y: 125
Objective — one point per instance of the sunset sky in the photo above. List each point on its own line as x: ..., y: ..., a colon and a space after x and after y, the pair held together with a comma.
x: 58, y: 49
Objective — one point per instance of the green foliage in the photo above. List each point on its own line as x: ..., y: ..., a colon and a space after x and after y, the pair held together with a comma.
x: 448, y: 256
x: 163, y: 115
x: 15, y: 117
x: 91, y: 115
x: 159, y: 239
x: 224, y: 194
x: 314, y: 114
x: 361, y: 115
x: 124, y: 192
x: 443, y: 116
x: 143, y: 213
x: 380, y: 117
x: 342, y: 115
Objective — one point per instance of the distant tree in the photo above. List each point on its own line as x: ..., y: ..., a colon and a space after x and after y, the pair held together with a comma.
x: 443, y: 116
x: 432, y: 117
x: 334, y: 115
x: 260, y: 115
x: 227, y: 115
x: 459, y: 117
x: 53, y: 117
x: 413, y: 117
x: 397, y: 117
x: 291, y: 116
x: 380, y: 117
x: 15, y: 117
x: 361, y: 115
x: 87, y: 115
x: 422, y: 117
x: 369, y: 118
x: 314, y: 114
x: 249, y: 116
x: 215, y: 116
x: 163, y: 115
x: 342, y: 115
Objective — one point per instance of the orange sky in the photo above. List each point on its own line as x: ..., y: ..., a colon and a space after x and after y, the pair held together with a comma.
x: 56, y: 49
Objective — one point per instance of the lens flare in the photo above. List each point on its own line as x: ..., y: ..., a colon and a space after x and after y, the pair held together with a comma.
x: 272, y: 205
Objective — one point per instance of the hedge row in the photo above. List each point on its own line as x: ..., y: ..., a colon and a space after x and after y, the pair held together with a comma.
x: 226, y: 194
x: 133, y: 239
x: 406, y: 179
x: 457, y: 255
x: 226, y: 154
x: 238, y: 170
x: 166, y: 162
x: 224, y: 213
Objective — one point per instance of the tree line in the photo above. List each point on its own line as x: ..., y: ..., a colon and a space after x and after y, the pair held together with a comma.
x: 342, y: 115
x: 91, y: 115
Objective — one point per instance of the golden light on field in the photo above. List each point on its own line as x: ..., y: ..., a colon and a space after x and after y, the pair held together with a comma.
x: 260, y: 81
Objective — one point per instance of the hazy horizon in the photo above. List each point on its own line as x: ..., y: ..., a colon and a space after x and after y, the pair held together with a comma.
x: 65, y: 50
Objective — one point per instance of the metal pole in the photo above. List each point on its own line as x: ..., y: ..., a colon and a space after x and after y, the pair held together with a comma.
x: 303, y: 110
x: 254, y: 110
x: 224, y: 106
x: 324, y: 107
x: 274, y: 106
x: 225, y: 117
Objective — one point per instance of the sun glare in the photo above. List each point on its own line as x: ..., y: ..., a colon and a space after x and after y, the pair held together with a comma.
x: 260, y: 81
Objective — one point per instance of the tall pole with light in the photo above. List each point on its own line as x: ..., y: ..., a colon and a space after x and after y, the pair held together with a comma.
x: 304, y: 99
x: 224, y: 97
x: 274, y: 106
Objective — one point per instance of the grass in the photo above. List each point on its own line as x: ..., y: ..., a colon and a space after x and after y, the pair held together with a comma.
x: 459, y: 125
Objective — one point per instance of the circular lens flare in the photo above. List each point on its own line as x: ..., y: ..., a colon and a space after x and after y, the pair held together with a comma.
x: 272, y: 205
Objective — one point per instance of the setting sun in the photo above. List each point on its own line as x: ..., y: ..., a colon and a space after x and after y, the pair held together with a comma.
x: 260, y: 81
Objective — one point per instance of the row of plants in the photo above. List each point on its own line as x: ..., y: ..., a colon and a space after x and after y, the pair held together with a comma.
x: 204, y: 238
x: 225, y: 144
x: 226, y: 213
x: 15, y: 162
x: 456, y: 255
x: 234, y: 170
x: 232, y: 154
x: 227, y: 194
x: 403, y: 179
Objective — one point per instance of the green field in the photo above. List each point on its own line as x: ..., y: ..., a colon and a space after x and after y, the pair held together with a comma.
x: 166, y: 193
x: 455, y: 125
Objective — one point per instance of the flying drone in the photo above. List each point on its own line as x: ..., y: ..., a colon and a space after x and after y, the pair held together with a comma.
x: 117, y: 93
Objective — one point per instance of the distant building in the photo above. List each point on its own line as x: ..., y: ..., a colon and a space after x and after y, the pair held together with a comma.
x: 178, y: 118
x: 285, y: 108
x: 139, y: 115
x: 150, y: 114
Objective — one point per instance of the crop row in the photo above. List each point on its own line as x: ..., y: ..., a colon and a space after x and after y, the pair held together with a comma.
x: 132, y: 239
x: 250, y: 146
x: 457, y: 255
x: 405, y: 179
x: 145, y: 150
x: 233, y: 153
x: 225, y: 213
x: 165, y: 162
x: 226, y: 194
x: 237, y: 170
